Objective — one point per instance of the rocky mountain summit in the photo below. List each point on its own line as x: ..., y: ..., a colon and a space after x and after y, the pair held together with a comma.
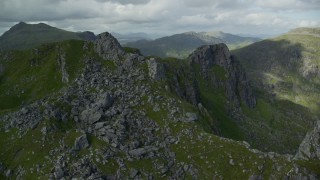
x: 124, y: 116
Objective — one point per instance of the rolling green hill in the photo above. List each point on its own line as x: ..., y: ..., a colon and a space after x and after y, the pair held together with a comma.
x: 287, y: 67
x: 181, y: 45
x: 25, y: 36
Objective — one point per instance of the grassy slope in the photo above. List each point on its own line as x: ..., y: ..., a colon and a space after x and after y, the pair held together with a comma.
x: 281, y: 62
x: 29, y: 76
x: 287, y: 102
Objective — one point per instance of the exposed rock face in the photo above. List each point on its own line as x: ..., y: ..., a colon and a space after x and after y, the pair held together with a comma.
x: 62, y: 63
x: 26, y: 118
x: 185, y: 85
x: 236, y: 84
x: 156, y: 69
x: 108, y: 47
x: 90, y: 116
x: 191, y: 117
x: 209, y: 55
x: 310, y: 146
x: 81, y: 143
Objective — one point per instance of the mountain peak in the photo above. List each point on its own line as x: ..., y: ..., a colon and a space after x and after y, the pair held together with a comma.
x: 108, y: 46
x: 18, y: 26
x: 21, y: 23
x: 37, y: 34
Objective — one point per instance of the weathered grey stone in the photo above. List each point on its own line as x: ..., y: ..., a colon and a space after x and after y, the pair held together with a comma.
x: 310, y: 146
x: 81, y: 143
x: 133, y: 173
x: 58, y: 173
x: 104, y: 101
x: 108, y: 47
x: 137, y: 152
x: 191, y: 117
x: 62, y: 63
x: 99, y: 125
x: 44, y: 130
x: 8, y: 173
x: 90, y: 116
x: 156, y: 69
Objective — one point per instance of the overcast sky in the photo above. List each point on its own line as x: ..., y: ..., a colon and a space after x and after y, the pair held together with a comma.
x: 164, y: 16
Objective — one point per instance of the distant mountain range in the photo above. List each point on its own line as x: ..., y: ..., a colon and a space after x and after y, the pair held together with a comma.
x: 24, y: 36
x: 131, y: 37
x: 181, y: 45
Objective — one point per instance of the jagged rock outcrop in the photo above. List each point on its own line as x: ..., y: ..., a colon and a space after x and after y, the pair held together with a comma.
x: 209, y: 55
x: 62, y: 63
x: 236, y: 86
x: 184, y: 84
x: 81, y: 143
x: 156, y: 69
x: 108, y: 47
x: 310, y: 146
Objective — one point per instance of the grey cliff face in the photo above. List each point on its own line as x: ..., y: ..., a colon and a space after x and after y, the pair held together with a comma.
x: 209, y: 55
x: 310, y: 146
x: 62, y: 63
x: 156, y: 69
x: 236, y: 85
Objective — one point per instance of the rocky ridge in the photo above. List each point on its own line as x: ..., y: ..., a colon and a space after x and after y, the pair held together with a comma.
x: 118, y: 117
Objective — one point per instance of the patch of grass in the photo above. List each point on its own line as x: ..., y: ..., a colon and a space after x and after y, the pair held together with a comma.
x: 131, y: 50
x: 213, y: 156
x: 71, y: 136
x: 312, y: 165
x: 219, y: 72
x: 33, y: 74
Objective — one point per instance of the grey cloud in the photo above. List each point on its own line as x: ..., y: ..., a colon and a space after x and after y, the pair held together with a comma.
x: 164, y: 16
x: 126, y: 1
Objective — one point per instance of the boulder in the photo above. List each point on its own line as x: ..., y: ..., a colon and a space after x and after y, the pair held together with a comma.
x: 90, y: 116
x: 58, y: 173
x: 81, y: 143
x: 310, y: 146
x: 137, y: 152
x: 133, y: 173
x: 191, y: 117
